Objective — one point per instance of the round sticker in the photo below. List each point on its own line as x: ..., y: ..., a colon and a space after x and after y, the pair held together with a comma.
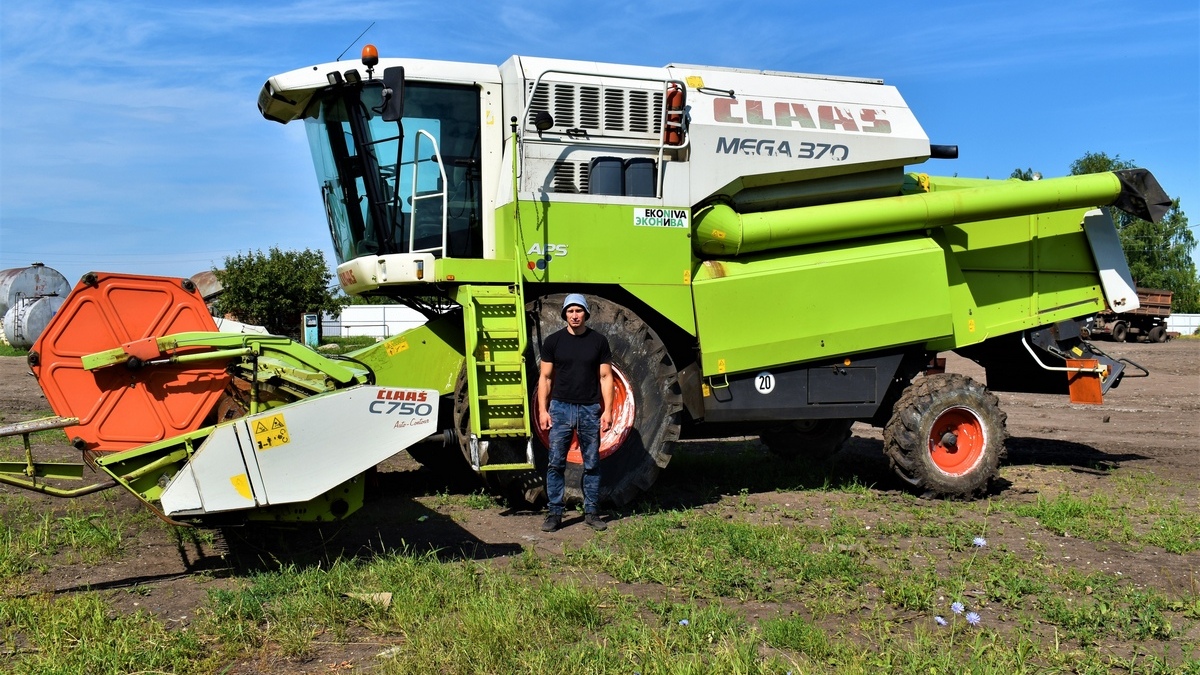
x: 764, y: 382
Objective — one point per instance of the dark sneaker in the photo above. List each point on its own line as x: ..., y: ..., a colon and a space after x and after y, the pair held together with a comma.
x: 594, y: 521
x: 551, y: 523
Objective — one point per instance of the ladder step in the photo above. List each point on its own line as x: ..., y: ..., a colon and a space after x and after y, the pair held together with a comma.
x: 520, y: 466
x: 514, y: 399
x: 496, y: 362
x: 502, y: 432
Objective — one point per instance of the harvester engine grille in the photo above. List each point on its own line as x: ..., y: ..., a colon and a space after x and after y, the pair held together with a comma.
x: 570, y: 177
x: 600, y: 110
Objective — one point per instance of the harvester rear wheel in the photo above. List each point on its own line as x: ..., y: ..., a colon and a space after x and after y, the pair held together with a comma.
x: 1158, y: 334
x: 1120, y: 331
x: 630, y: 461
x: 946, y: 436
x: 813, y: 439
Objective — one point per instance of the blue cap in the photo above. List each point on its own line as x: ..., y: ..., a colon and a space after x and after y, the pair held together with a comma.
x: 575, y: 299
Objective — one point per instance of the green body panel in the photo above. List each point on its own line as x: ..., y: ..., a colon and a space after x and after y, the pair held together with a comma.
x: 820, y: 302
x: 427, y: 357
x: 588, y: 243
x: 673, y: 302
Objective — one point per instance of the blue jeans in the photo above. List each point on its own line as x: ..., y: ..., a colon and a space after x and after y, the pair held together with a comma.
x: 585, y: 421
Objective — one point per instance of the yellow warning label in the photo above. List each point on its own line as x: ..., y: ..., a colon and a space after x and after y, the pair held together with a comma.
x: 695, y: 81
x: 396, y: 348
x: 687, y: 276
x: 241, y: 483
x: 971, y: 325
x: 270, y: 432
x: 720, y: 365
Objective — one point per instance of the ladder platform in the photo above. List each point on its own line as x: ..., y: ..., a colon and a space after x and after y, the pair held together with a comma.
x: 518, y: 466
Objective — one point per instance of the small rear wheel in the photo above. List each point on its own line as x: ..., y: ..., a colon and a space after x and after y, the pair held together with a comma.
x: 1158, y: 334
x: 1120, y: 331
x: 946, y: 436
x: 814, y: 439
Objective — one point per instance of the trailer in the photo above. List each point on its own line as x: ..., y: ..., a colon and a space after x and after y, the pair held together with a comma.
x: 1147, y: 322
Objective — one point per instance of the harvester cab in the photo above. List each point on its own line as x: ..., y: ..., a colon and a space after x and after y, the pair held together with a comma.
x: 753, y: 245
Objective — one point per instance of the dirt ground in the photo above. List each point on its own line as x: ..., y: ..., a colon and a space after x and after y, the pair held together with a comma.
x: 1147, y: 424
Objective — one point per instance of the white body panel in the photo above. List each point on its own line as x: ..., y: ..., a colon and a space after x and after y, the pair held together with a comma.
x: 1115, y: 277
x: 294, y: 454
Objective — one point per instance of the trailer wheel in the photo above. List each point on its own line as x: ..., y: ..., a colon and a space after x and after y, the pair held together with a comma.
x: 1120, y: 331
x: 1158, y: 334
x: 630, y: 457
x: 814, y: 439
x: 946, y: 436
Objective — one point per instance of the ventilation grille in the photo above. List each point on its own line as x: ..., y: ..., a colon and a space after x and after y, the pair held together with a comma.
x: 570, y: 177
x: 599, y: 110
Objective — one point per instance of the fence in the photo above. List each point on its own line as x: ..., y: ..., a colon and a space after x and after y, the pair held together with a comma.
x: 379, y: 321
x: 1184, y: 324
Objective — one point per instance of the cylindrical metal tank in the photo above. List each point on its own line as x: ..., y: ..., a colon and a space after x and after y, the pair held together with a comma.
x: 28, y: 317
x: 30, y: 282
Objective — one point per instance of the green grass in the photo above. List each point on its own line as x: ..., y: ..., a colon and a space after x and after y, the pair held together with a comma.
x: 837, y: 579
x: 9, y: 350
x: 29, y: 539
x: 81, y: 634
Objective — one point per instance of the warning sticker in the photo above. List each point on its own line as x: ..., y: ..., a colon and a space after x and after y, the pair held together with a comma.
x: 270, y: 432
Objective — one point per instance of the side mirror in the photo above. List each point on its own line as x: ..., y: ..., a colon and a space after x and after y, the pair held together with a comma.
x: 393, y: 93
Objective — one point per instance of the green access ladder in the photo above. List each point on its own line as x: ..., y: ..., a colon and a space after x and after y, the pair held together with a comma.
x: 497, y: 387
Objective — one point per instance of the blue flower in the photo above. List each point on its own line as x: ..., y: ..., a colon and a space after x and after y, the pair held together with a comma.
x: 940, y: 621
x: 957, y: 608
x: 972, y: 618
x: 980, y: 542
x: 683, y: 622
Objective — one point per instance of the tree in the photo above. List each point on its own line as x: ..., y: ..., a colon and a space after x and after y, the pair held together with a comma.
x: 1159, y: 254
x: 275, y: 289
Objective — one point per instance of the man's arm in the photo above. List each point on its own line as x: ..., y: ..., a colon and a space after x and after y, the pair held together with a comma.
x: 545, y: 382
x: 606, y: 393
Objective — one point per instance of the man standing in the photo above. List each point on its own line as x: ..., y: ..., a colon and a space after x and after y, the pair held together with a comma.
x: 575, y: 393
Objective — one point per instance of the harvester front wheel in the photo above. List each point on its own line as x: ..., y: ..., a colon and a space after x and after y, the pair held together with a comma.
x: 814, y: 439
x: 648, y: 396
x: 946, y: 436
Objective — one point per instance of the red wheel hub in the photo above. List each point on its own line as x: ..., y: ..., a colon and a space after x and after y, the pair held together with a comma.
x: 624, y: 414
x: 957, y: 440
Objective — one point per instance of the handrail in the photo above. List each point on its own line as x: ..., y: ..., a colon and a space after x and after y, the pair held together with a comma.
x: 412, y: 230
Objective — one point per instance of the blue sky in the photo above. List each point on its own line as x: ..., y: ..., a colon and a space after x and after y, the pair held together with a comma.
x: 130, y: 140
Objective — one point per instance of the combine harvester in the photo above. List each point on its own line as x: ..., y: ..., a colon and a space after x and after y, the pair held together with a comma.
x: 751, y: 243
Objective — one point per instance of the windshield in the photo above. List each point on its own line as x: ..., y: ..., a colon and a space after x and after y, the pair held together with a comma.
x: 396, y: 187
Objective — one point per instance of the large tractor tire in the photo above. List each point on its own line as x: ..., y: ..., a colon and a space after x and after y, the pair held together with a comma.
x: 946, y: 436
x: 812, y: 439
x: 1120, y: 331
x: 647, y: 402
x: 1157, y: 334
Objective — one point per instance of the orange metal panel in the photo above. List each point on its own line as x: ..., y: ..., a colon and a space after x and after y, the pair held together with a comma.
x: 1084, y: 387
x: 121, y: 408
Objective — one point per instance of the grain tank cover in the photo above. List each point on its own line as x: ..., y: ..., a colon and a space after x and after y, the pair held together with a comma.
x: 755, y: 128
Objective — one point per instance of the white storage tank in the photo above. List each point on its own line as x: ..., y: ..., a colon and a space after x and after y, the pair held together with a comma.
x: 28, y: 317
x: 30, y: 282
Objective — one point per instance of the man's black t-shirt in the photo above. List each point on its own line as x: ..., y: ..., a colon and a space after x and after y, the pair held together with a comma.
x: 576, y: 360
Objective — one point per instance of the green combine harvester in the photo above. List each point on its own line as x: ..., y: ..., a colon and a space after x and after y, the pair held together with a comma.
x: 751, y: 244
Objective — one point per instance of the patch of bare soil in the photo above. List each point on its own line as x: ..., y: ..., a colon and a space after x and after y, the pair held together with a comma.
x: 1147, y: 425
